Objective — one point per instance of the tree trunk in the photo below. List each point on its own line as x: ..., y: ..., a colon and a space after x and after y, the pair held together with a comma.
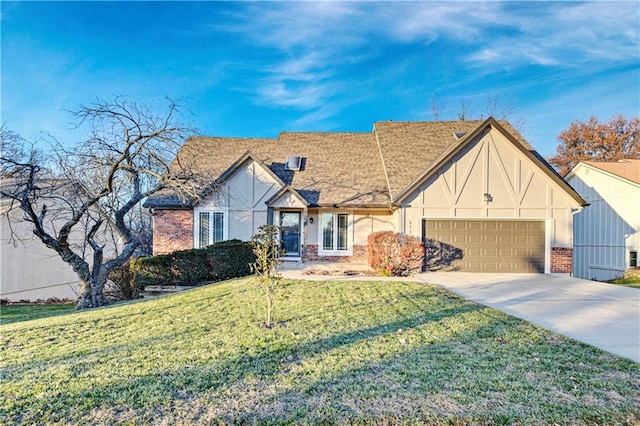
x: 269, y: 307
x: 91, y: 294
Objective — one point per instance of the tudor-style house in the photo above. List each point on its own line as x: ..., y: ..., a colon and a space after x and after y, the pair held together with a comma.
x: 476, y: 186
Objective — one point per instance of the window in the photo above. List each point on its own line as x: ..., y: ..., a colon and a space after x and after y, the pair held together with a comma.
x: 210, y: 228
x: 633, y: 259
x: 335, y: 232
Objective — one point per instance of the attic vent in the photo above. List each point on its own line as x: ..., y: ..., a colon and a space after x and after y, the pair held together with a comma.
x: 458, y: 135
x: 293, y: 163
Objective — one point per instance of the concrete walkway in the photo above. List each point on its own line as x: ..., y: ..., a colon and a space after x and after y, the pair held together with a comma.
x: 603, y: 315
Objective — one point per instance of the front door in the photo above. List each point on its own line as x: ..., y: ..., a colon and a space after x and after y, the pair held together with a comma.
x: 290, y: 233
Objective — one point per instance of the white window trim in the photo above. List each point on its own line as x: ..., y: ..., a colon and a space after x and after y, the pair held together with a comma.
x: 196, y: 224
x: 349, y: 250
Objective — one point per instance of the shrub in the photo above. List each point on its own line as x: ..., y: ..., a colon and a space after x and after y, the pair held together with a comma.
x: 221, y: 261
x: 395, y: 254
x: 121, y: 285
x: 154, y: 270
x: 230, y: 259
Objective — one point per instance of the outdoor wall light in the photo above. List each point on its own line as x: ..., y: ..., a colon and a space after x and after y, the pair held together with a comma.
x: 310, y: 220
x: 487, y: 197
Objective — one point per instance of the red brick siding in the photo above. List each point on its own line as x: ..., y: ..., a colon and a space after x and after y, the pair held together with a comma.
x: 172, y: 230
x: 561, y: 260
x: 359, y: 255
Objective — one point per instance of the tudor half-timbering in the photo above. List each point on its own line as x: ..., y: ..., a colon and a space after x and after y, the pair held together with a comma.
x: 476, y: 190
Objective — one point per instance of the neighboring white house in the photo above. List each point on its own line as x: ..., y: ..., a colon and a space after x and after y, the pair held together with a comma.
x: 607, y: 232
x: 29, y: 270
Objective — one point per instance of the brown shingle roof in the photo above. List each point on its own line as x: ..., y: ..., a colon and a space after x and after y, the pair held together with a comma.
x: 627, y: 168
x: 410, y: 148
x: 338, y: 168
x: 344, y: 169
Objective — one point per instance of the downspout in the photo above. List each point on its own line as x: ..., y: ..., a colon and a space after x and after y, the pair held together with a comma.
x: 580, y: 209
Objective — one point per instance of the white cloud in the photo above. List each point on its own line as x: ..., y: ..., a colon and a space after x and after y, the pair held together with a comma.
x: 312, y: 41
x: 564, y: 34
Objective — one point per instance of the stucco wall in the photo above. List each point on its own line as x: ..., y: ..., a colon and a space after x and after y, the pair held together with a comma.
x: 243, y: 200
x: 516, y: 188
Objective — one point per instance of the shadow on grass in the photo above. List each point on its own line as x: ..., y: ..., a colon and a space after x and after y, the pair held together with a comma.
x: 171, y: 384
x: 425, y: 380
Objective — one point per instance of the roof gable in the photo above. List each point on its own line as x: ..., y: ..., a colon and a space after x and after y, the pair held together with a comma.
x: 287, y: 197
x: 627, y: 168
x: 439, y: 159
x: 235, y: 167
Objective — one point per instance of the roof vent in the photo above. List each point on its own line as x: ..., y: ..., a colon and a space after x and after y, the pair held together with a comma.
x: 459, y: 135
x: 293, y: 163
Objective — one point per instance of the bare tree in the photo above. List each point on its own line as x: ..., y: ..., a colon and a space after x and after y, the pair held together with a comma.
x: 437, y: 108
x: 465, y: 109
x: 94, y: 191
x: 493, y: 108
x: 268, y: 258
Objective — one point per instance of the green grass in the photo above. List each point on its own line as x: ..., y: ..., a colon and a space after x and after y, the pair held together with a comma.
x: 345, y: 352
x: 627, y: 281
x: 19, y: 312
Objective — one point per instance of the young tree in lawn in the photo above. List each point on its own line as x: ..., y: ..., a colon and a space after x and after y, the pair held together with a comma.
x: 597, y: 141
x: 267, y: 250
x: 95, y: 189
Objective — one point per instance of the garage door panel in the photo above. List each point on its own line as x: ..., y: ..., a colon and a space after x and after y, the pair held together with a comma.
x: 508, y: 252
x: 520, y: 252
x: 459, y: 238
x: 536, y: 226
x: 490, y: 238
x: 521, y: 239
x: 474, y: 225
x: 473, y: 252
x: 505, y: 226
x: 474, y: 239
x: 490, y: 226
x: 506, y: 239
x: 536, y: 253
x: 534, y: 239
x: 461, y: 226
x: 489, y: 252
x: 491, y: 245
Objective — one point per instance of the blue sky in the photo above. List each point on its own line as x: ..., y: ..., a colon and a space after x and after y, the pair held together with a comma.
x: 254, y: 69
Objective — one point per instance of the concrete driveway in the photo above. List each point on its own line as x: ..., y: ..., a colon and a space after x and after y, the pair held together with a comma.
x: 606, y: 316
x: 603, y: 315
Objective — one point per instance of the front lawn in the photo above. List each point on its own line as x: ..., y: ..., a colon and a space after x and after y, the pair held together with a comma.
x: 341, y: 352
x: 25, y: 312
